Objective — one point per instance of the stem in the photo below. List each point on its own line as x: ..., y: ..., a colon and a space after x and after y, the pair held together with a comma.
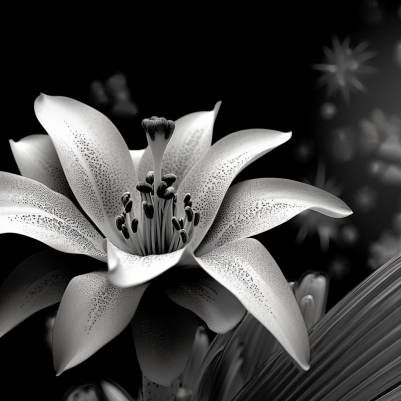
x: 156, y: 392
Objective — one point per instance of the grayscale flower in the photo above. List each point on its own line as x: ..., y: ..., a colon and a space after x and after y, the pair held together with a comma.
x: 173, y: 253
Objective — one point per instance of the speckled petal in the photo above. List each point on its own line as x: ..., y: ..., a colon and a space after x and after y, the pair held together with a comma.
x: 210, y: 177
x: 30, y: 208
x: 191, y: 140
x: 163, y: 333
x: 37, y: 158
x: 136, y: 156
x: 195, y: 290
x: 94, y: 156
x: 37, y: 283
x: 92, y: 312
x: 248, y: 270
x: 126, y: 269
x: 254, y: 206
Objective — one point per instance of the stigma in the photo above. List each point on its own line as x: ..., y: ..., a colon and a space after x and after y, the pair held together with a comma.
x: 157, y: 230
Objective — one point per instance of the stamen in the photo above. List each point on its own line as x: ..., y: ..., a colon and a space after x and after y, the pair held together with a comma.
x: 125, y: 198
x: 134, y: 225
x: 128, y: 206
x: 169, y: 179
x: 189, y: 213
x: 181, y: 221
x: 187, y: 198
x: 176, y: 224
x: 161, y: 189
x: 119, y: 222
x: 169, y: 193
x: 144, y: 187
x: 184, y: 236
x: 148, y: 209
x: 150, y: 177
x: 147, y: 227
x: 196, y: 218
x: 125, y: 232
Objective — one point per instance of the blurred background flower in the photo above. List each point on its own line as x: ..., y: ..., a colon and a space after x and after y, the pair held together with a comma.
x: 113, y: 97
x: 343, y: 66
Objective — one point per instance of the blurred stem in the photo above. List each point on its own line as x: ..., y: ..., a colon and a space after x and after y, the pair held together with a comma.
x: 152, y: 391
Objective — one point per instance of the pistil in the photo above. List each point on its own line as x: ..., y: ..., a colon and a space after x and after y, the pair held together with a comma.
x: 157, y: 230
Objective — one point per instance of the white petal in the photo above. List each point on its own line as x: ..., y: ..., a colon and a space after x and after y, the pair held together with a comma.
x: 195, y: 290
x: 191, y: 140
x: 126, y: 269
x: 91, y: 313
x: 94, y: 156
x: 163, y: 334
x: 209, y: 179
x: 113, y: 391
x: 37, y: 283
x: 30, y: 208
x: 248, y: 270
x: 136, y: 156
x: 37, y: 158
x: 254, y: 206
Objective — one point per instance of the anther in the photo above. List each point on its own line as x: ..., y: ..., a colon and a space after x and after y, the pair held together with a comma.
x: 148, y: 209
x: 125, y: 232
x: 128, y: 206
x: 169, y: 193
x: 189, y: 203
x: 187, y: 198
x: 125, y: 198
x: 176, y: 224
x: 161, y: 189
x: 119, y: 222
x: 189, y: 213
x: 158, y: 126
x: 169, y: 179
x: 196, y: 218
x: 144, y: 187
x: 184, y: 236
x: 134, y: 225
x: 150, y: 177
x: 181, y: 221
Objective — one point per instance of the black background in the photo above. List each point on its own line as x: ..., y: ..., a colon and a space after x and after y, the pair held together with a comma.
x: 257, y: 60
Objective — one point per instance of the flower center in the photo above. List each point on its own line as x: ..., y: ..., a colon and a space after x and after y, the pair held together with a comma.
x: 157, y: 230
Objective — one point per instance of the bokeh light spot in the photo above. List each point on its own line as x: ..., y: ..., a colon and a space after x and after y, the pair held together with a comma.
x: 328, y: 110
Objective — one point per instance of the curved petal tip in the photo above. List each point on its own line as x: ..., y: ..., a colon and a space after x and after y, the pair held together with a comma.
x: 217, y: 108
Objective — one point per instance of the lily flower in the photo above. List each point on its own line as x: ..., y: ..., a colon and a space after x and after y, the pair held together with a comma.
x: 176, y: 236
